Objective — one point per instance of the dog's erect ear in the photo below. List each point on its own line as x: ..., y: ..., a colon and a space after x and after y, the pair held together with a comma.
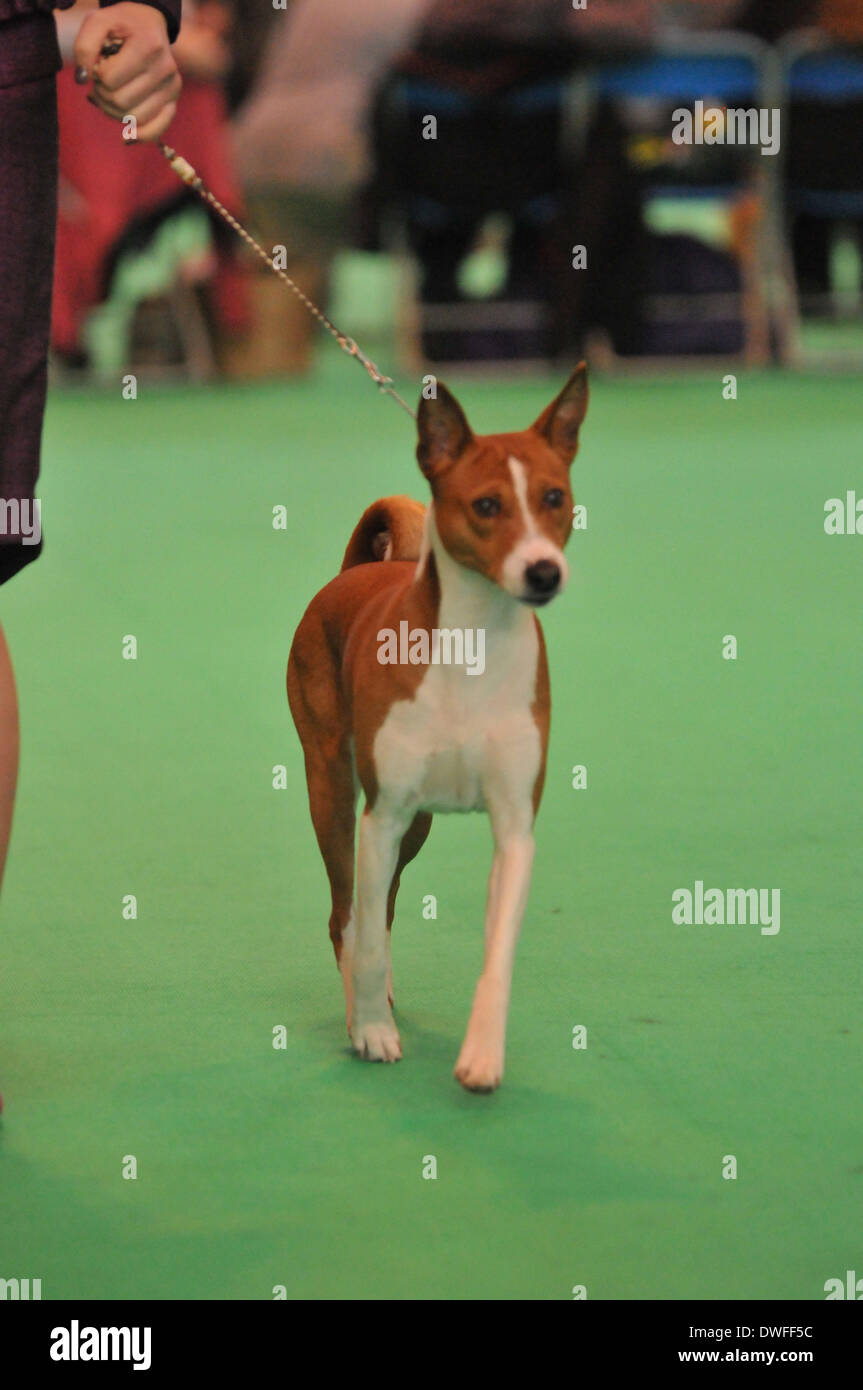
x: 444, y: 433
x: 560, y: 422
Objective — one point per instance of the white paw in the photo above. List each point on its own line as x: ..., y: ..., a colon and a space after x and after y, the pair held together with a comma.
x: 479, y: 1067
x: 377, y: 1042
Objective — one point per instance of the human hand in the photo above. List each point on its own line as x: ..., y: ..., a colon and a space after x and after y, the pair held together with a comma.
x: 141, y: 79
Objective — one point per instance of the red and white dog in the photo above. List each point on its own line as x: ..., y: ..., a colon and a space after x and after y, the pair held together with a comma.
x: 419, y: 738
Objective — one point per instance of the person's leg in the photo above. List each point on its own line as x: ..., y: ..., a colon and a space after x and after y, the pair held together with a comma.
x: 8, y: 749
x: 28, y: 214
x: 810, y: 245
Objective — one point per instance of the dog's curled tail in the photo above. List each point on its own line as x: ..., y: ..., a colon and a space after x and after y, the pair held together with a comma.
x: 390, y: 529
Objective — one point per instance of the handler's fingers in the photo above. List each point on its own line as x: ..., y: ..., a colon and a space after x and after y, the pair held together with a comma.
x: 131, y: 99
x: 145, y: 116
x: 144, y: 42
x: 157, y: 127
x: 89, y: 41
x: 139, y: 60
x: 101, y: 106
x: 148, y: 112
x: 95, y: 32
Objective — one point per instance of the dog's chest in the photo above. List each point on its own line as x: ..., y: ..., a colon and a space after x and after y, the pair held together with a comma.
x: 462, y: 737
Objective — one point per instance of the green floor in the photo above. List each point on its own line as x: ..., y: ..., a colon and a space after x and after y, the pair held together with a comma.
x: 303, y: 1167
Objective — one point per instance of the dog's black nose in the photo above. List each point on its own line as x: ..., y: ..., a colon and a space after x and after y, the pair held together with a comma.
x: 542, y: 578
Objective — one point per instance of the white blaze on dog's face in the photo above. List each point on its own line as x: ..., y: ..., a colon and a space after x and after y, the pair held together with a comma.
x: 502, y: 502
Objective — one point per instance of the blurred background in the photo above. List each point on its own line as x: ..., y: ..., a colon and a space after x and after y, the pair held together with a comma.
x: 431, y: 166
x: 428, y: 169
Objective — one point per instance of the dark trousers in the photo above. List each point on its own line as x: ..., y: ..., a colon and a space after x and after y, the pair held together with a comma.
x: 28, y: 212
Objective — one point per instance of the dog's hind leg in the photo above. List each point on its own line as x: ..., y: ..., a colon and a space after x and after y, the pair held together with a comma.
x: 332, y: 802
x: 319, y: 714
x: 412, y: 842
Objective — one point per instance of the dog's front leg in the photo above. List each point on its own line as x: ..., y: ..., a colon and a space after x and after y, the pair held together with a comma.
x: 373, y: 1032
x: 480, y: 1063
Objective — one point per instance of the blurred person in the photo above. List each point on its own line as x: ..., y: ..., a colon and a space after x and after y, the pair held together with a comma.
x: 142, y: 81
x: 301, y: 148
x: 501, y: 148
x: 823, y: 140
x: 111, y: 206
x: 496, y: 54
x: 250, y: 36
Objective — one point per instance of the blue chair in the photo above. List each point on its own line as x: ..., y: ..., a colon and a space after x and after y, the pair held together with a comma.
x: 687, y: 75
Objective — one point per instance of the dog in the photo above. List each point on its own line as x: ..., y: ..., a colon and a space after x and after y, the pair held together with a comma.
x: 417, y: 736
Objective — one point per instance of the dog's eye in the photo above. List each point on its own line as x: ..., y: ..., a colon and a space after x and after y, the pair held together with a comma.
x: 486, y: 506
x: 554, y: 497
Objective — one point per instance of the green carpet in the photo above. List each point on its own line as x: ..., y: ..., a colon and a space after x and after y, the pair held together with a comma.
x: 302, y: 1167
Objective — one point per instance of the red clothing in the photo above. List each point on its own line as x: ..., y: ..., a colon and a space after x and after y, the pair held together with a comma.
x: 105, y: 187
